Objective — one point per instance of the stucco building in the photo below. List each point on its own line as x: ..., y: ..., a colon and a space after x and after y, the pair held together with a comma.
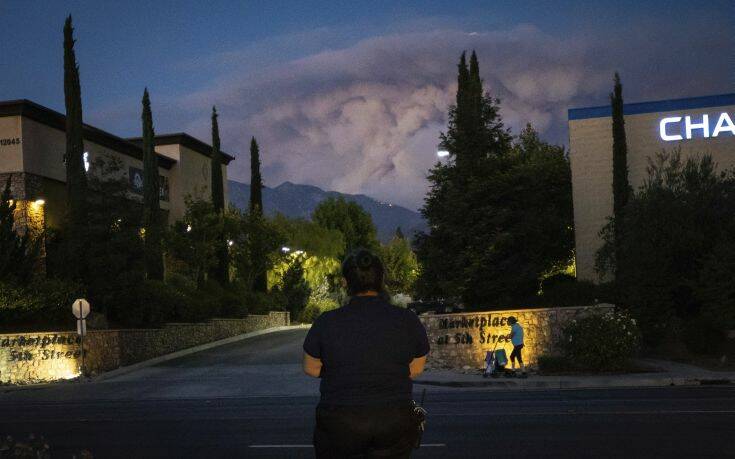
x: 32, y: 147
x: 696, y: 126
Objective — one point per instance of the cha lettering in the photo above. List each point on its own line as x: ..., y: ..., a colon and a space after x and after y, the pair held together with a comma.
x: 672, y: 128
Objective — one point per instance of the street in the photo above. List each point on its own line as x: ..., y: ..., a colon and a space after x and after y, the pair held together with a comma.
x: 249, y: 399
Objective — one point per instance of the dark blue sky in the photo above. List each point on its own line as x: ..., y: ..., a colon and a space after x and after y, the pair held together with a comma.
x: 352, y: 95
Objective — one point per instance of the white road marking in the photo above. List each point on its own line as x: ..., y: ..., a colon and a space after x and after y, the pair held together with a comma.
x: 280, y: 446
x: 425, y: 445
x: 574, y: 412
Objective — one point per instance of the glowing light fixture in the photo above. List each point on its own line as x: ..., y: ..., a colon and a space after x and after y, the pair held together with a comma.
x: 188, y: 228
x: 285, y: 249
x: 230, y: 242
x: 85, y: 158
x: 442, y: 153
x: 40, y: 202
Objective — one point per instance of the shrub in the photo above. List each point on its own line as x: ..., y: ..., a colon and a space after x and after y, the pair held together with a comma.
x: 295, y: 288
x: 566, y: 290
x: 262, y: 303
x: 702, y: 336
x: 672, y: 251
x: 149, y: 305
x: 232, y: 304
x: 45, y: 303
x: 601, y: 341
x: 315, y: 307
x: 548, y: 364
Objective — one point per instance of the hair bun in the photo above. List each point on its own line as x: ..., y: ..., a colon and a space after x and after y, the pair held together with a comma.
x: 364, y: 260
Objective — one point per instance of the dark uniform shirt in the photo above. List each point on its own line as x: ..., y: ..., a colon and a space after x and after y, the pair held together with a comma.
x: 365, y: 348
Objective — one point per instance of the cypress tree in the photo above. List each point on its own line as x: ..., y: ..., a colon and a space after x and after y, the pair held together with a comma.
x: 474, y: 97
x: 260, y: 283
x: 218, y: 195
x: 256, y: 181
x: 621, y: 187
x: 459, y: 114
x: 221, y: 270
x: 76, y: 179
x: 458, y: 202
x: 151, y: 196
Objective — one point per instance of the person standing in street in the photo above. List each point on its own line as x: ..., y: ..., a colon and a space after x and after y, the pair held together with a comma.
x: 366, y: 354
x: 516, y: 338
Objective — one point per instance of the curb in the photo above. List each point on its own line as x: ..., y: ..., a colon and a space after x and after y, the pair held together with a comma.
x: 150, y: 362
x: 648, y: 382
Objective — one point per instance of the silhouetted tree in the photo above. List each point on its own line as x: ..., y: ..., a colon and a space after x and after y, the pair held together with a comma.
x: 151, y: 194
x: 76, y: 179
x: 621, y: 187
x: 499, y: 211
x: 256, y: 180
x: 221, y: 270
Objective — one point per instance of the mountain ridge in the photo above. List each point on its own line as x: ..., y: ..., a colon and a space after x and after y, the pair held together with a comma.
x: 299, y: 201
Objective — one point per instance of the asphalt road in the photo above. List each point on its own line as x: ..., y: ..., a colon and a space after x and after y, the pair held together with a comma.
x: 249, y: 400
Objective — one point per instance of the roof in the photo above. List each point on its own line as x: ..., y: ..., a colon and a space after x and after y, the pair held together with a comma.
x: 54, y: 119
x: 653, y: 107
x: 182, y: 138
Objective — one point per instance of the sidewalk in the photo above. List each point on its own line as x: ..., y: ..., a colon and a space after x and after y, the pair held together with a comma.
x: 664, y: 373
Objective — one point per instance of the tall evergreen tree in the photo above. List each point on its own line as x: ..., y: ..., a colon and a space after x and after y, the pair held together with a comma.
x: 256, y: 181
x: 621, y: 186
x: 76, y: 179
x: 260, y: 283
x: 151, y: 195
x: 495, y: 226
x: 221, y: 270
x: 218, y: 194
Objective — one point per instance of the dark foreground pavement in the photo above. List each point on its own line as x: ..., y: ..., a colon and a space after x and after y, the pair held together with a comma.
x: 249, y: 400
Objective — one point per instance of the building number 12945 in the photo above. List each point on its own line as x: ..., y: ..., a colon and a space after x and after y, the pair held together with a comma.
x: 11, y: 141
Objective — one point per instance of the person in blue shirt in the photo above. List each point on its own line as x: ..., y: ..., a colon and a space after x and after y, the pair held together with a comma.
x: 516, y: 337
x: 366, y: 353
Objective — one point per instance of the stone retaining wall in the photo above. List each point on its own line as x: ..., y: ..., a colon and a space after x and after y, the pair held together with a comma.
x: 48, y: 356
x: 461, y: 340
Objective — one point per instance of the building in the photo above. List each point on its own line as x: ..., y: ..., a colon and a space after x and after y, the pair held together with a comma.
x: 698, y: 125
x: 32, y: 147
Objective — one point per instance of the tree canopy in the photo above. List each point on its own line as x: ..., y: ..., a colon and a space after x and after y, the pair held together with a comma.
x: 349, y: 218
x: 499, y: 210
x: 676, y: 245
